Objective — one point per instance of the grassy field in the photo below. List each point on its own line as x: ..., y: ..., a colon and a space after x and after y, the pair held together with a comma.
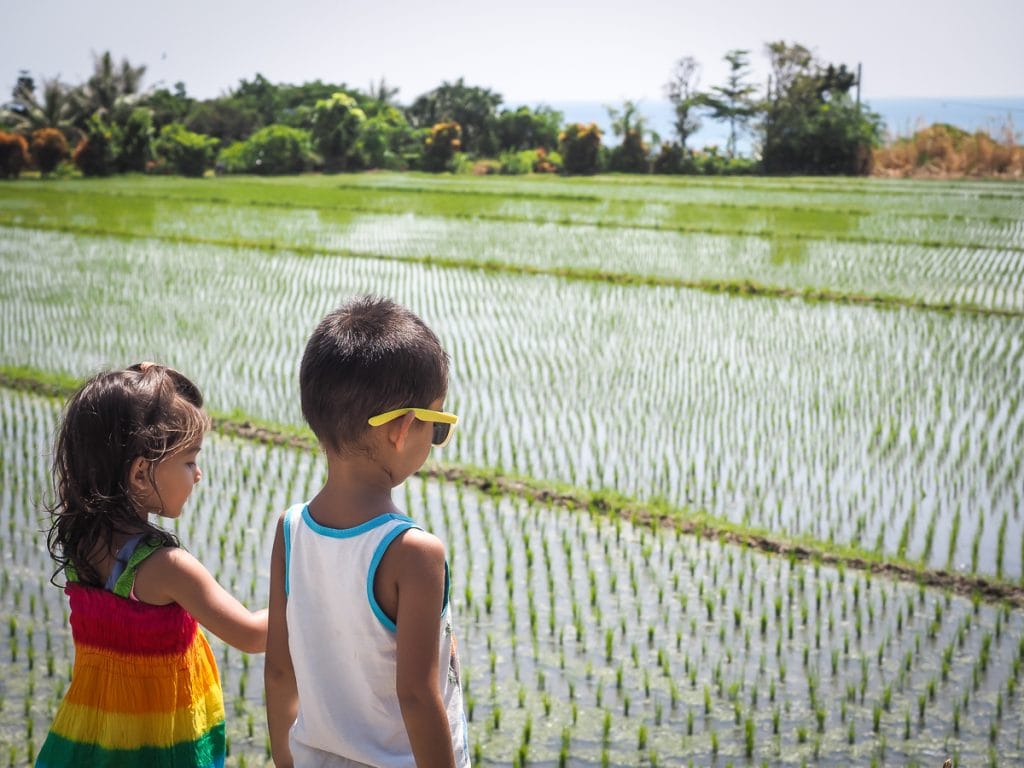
x: 833, y: 365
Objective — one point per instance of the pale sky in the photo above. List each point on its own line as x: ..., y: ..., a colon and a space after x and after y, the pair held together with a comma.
x: 528, y: 51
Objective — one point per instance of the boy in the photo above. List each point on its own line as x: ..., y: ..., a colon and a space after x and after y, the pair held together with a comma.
x: 361, y: 667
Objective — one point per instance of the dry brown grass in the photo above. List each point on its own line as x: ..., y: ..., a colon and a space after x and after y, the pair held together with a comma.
x: 945, y: 151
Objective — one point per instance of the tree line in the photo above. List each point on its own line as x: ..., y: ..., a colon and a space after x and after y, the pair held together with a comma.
x: 806, y: 122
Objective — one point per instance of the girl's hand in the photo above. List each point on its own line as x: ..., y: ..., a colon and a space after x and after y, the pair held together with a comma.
x: 172, y: 575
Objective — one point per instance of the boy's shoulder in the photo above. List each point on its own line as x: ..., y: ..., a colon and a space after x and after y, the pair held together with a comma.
x: 416, y: 542
x: 416, y: 553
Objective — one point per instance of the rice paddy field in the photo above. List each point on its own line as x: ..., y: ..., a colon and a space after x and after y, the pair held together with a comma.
x: 830, y: 367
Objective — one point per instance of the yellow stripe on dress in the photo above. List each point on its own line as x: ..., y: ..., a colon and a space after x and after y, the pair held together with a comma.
x: 132, y: 731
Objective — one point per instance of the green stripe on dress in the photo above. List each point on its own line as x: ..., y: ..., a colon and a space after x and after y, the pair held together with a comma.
x: 205, y: 752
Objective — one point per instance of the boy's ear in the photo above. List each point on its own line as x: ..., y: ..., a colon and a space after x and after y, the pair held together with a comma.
x: 138, y: 476
x: 400, y: 431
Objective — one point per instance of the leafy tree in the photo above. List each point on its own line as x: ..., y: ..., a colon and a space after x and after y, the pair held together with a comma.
x: 524, y: 128
x: 276, y: 149
x: 630, y: 156
x: 387, y: 140
x: 135, y: 141
x: 260, y: 96
x: 440, y: 146
x: 168, y: 106
x: 13, y: 154
x: 49, y: 148
x: 473, y: 108
x: 188, y: 153
x: 225, y: 119
x: 811, y: 124
x: 733, y: 102
x: 336, y: 125
x: 682, y: 90
x: 580, y: 147
x: 95, y: 153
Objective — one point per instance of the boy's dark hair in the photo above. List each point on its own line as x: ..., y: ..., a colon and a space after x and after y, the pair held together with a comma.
x: 146, y: 410
x: 367, y: 357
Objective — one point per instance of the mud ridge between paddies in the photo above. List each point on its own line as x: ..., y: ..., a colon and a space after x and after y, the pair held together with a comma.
x: 606, y: 503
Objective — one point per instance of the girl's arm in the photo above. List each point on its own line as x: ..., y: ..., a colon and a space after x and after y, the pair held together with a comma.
x: 278, y: 673
x: 419, y: 562
x: 172, y: 575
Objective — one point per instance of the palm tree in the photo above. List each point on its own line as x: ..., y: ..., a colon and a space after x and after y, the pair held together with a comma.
x: 112, y: 89
x: 382, y: 92
x: 29, y: 111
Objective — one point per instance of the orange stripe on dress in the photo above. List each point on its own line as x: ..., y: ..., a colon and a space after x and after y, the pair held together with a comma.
x: 147, y: 686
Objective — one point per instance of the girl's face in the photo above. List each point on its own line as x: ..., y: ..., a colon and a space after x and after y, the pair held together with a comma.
x: 173, y: 479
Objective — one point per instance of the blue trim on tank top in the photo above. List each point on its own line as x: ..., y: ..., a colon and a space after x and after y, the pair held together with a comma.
x: 345, y: 533
x: 287, y: 546
x: 378, y: 554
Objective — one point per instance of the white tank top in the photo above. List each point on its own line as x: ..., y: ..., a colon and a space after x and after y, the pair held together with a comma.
x: 343, y: 648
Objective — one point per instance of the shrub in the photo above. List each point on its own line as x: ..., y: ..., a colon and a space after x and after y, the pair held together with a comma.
x: 440, y: 145
x: 94, y: 154
x: 529, y: 161
x: 517, y: 163
x: 187, y: 153
x: 276, y: 149
x: 49, y: 148
x: 336, y: 125
x: 580, y: 147
x: 386, y: 140
x: 547, y: 162
x: 631, y: 155
x: 135, y: 148
x: 670, y: 159
x: 709, y: 162
x: 13, y: 154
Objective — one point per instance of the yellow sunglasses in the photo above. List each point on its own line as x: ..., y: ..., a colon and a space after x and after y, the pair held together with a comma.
x: 444, y: 423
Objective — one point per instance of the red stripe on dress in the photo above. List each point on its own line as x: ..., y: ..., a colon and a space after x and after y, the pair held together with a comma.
x: 104, y: 620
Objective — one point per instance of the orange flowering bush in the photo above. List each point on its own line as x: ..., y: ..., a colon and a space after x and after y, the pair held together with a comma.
x: 49, y: 147
x: 440, y: 146
x: 580, y: 147
x: 13, y: 154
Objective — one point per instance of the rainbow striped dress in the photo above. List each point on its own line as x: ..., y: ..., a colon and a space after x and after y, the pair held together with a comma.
x: 144, y: 688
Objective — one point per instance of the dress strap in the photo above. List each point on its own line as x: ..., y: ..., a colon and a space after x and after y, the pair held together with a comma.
x: 141, y: 549
x: 121, y: 561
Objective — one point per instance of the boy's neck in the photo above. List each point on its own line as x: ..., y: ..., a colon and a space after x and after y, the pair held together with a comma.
x: 355, y: 491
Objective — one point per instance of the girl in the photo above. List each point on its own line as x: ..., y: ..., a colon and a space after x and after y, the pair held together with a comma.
x: 144, y: 689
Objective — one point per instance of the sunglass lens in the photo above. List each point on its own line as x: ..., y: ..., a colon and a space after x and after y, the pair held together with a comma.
x: 441, y: 433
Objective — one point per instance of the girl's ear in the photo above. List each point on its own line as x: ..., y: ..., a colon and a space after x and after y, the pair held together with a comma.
x: 138, y: 476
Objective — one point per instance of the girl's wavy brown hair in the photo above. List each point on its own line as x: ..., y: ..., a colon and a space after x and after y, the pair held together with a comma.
x: 146, y: 410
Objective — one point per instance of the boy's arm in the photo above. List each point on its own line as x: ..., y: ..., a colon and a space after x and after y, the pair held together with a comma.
x: 420, y: 564
x: 278, y: 673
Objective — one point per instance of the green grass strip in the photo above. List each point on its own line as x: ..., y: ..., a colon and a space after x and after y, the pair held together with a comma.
x: 603, y: 502
x: 748, y: 288
x: 766, y: 233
